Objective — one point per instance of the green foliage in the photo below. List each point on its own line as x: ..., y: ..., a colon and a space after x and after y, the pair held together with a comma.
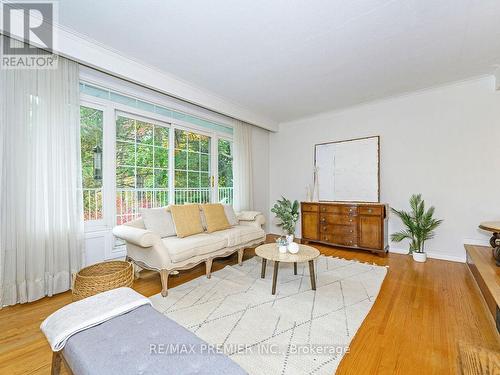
x: 287, y: 213
x: 225, y: 163
x: 419, y: 224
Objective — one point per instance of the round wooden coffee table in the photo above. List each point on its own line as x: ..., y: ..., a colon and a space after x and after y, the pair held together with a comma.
x: 270, y: 252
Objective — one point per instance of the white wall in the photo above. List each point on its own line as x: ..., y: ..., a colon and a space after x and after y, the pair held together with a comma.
x: 260, y: 166
x: 441, y: 142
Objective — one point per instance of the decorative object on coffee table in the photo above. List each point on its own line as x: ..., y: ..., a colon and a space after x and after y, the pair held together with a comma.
x: 493, y: 227
x: 287, y: 212
x: 101, y: 277
x: 271, y: 252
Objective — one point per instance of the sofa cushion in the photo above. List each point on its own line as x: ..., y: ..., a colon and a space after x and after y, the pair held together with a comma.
x: 230, y: 214
x: 240, y: 234
x: 181, y: 249
x: 158, y: 220
x: 215, y: 217
x: 187, y: 219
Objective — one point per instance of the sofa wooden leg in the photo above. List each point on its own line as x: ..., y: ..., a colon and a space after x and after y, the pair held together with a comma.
x: 164, y: 282
x: 240, y: 256
x: 208, y: 268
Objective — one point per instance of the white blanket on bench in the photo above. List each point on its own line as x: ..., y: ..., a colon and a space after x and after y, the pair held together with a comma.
x: 89, y: 312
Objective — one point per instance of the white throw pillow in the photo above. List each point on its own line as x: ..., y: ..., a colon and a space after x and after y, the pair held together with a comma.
x: 230, y: 214
x: 159, y: 221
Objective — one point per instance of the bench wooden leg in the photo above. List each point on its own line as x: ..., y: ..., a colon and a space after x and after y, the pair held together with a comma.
x: 240, y: 256
x: 208, y: 268
x: 56, y: 363
x: 164, y: 282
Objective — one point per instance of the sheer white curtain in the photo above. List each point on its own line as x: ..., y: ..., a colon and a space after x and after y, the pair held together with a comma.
x: 242, y: 167
x: 41, y: 219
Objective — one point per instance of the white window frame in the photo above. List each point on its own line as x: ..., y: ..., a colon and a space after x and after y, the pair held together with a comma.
x: 111, y: 110
x: 95, y: 225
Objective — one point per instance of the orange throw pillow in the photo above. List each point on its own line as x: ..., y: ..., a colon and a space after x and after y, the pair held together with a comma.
x: 187, y: 219
x: 215, y: 217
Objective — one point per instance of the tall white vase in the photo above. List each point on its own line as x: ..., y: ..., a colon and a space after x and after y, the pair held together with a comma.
x: 315, y: 194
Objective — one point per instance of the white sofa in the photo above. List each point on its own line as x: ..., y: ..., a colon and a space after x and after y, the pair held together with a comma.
x: 164, y: 255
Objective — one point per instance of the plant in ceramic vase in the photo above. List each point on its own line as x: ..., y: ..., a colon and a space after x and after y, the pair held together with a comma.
x: 287, y: 212
x: 281, y: 243
x: 419, y: 226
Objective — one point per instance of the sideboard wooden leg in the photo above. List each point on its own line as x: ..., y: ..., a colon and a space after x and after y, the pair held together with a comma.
x: 294, y: 268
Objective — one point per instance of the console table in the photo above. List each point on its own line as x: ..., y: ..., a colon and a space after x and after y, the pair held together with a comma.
x: 493, y: 227
x: 487, y: 276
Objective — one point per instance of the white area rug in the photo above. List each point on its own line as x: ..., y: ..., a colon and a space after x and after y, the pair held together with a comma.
x: 297, y: 331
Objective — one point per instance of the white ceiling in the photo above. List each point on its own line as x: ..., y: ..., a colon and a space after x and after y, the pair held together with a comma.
x: 287, y: 59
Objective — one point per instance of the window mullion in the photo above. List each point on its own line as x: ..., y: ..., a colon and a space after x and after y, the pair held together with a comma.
x: 171, y: 166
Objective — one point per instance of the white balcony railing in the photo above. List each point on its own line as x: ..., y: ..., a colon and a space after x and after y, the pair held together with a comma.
x: 92, y: 204
x: 226, y: 195
x: 128, y: 201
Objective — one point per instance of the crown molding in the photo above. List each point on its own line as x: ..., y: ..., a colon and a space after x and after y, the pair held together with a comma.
x: 91, y: 53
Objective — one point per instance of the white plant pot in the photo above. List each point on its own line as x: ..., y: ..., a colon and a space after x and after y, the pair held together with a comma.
x: 419, y: 257
x: 282, y: 249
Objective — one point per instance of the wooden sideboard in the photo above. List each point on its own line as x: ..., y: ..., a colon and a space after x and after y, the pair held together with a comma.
x: 346, y: 224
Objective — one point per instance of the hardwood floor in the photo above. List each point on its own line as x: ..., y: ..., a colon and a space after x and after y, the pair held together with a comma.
x: 422, y: 313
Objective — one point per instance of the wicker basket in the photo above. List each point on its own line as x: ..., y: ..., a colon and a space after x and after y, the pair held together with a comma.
x: 101, y: 277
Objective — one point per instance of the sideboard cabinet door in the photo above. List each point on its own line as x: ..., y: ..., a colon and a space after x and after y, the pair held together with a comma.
x: 370, y: 233
x: 310, y: 225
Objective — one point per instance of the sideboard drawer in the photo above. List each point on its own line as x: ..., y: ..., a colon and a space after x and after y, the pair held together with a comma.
x: 326, y: 208
x: 343, y: 240
x: 371, y: 210
x: 344, y: 230
x: 343, y: 219
x: 310, y: 207
x: 327, y: 219
x: 346, y: 240
x: 339, y: 209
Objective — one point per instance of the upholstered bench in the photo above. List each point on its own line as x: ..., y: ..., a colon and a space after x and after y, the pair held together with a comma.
x: 118, y: 333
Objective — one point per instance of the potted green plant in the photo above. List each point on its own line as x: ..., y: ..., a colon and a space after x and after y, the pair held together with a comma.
x: 287, y: 212
x: 419, y: 226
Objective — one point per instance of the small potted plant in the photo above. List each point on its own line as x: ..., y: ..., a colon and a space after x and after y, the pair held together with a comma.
x: 419, y: 227
x: 287, y: 212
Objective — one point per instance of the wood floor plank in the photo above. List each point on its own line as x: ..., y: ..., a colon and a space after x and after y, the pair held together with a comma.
x: 421, y: 314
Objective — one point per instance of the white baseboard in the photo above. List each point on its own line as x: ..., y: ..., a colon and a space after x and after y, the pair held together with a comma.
x: 433, y: 255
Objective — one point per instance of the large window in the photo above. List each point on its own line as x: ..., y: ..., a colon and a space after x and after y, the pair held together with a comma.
x: 141, y: 167
x: 225, y: 171
x: 91, y: 130
x: 152, y: 163
x: 193, y: 181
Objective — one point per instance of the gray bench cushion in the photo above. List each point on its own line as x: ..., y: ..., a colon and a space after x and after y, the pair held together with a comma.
x: 122, y: 346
